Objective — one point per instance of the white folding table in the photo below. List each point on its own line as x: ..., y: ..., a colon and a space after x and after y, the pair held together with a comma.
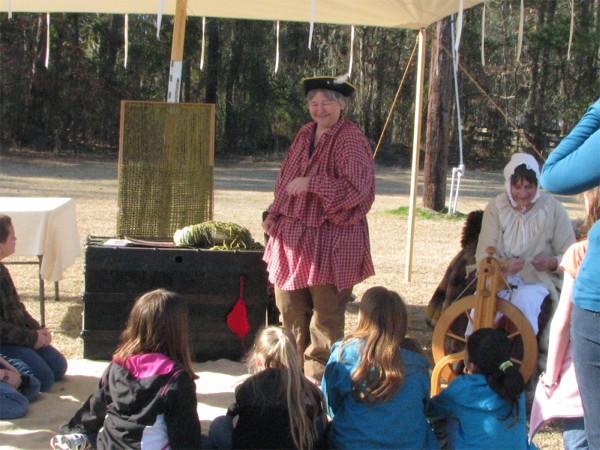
x: 45, y: 227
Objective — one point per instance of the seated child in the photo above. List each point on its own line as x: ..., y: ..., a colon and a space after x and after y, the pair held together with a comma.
x: 376, y: 382
x: 21, y: 336
x: 276, y: 407
x: 485, y: 408
x: 147, y: 396
x: 18, y: 387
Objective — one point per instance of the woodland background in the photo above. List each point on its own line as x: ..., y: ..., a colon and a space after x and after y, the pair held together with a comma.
x: 73, y: 104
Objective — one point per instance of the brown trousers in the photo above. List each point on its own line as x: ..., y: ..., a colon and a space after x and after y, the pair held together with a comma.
x: 316, y: 317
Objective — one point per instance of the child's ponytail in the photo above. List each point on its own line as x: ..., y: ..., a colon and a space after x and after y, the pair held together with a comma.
x: 489, y: 349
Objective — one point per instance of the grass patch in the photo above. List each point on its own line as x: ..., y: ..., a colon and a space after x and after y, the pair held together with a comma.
x: 428, y: 214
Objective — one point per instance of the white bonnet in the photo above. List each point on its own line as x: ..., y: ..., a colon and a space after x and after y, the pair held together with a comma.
x: 516, y: 160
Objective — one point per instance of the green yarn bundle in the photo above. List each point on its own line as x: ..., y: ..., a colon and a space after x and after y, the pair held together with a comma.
x: 216, y: 235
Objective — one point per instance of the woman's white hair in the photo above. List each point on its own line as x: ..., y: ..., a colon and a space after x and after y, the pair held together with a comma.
x: 331, y: 95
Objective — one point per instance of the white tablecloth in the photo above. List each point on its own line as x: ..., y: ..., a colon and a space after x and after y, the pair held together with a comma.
x: 47, y: 227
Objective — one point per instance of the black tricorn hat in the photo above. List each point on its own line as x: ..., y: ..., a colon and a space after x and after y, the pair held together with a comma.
x: 338, y: 84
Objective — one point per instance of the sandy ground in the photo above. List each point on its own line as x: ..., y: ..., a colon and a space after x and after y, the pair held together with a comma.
x: 242, y: 191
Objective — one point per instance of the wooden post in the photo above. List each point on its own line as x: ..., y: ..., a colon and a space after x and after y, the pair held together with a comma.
x: 415, y: 157
x: 177, y: 52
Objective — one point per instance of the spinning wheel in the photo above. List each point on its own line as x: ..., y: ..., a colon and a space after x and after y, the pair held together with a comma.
x: 480, y: 310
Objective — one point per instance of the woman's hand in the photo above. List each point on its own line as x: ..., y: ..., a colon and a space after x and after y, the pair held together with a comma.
x: 268, y: 225
x: 12, y: 377
x: 544, y: 263
x: 44, y: 339
x: 298, y: 185
x: 514, y: 265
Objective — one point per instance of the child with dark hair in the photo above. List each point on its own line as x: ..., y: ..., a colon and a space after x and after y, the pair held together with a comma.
x: 485, y: 407
x: 146, y: 397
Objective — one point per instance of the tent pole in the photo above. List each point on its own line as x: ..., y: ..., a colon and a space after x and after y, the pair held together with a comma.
x: 177, y: 52
x: 414, y: 178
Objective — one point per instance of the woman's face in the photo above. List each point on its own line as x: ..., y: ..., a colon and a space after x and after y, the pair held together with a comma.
x: 8, y: 248
x: 523, y: 192
x: 324, y: 111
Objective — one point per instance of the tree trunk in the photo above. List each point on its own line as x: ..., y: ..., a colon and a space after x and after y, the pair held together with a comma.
x: 536, y: 105
x: 438, y: 119
x: 230, y: 131
x: 112, y: 33
x: 212, y: 60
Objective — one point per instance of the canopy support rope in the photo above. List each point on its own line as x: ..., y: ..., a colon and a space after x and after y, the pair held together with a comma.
x: 457, y: 172
x: 387, y: 121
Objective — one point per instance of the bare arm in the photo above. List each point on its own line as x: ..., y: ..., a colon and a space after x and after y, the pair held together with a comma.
x: 559, y: 333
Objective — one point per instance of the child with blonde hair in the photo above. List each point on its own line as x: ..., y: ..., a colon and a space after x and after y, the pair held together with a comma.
x: 277, y: 406
x: 147, y: 396
x: 376, y: 382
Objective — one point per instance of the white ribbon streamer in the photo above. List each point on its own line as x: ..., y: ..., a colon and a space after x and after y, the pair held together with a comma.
x: 47, y: 60
x: 313, y: 10
x: 571, y: 30
x: 277, y: 47
x: 161, y: 7
x: 521, y: 25
x: 351, y: 49
x: 483, y: 37
x: 459, y: 24
x: 126, y: 40
x: 202, y: 43
x: 9, y: 9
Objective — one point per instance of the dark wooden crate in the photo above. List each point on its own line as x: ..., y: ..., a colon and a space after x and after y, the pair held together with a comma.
x: 209, y: 280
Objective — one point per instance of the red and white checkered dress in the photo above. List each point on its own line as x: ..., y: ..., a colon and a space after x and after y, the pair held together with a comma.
x: 321, y: 236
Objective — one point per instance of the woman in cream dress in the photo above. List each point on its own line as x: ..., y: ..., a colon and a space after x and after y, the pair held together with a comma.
x: 530, y: 231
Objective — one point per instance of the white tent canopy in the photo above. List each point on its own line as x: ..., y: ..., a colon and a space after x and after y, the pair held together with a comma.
x: 412, y: 14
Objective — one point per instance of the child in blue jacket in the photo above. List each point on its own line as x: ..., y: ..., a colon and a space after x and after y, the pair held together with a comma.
x: 376, y: 382
x: 485, y: 407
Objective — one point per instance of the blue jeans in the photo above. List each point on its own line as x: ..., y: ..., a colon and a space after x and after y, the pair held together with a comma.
x: 220, y: 433
x: 13, y: 404
x: 585, y: 341
x: 30, y: 386
x: 46, y: 363
x: 574, y: 437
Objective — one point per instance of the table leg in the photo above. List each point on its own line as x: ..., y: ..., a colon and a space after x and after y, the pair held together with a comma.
x: 56, y: 297
x: 41, y: 293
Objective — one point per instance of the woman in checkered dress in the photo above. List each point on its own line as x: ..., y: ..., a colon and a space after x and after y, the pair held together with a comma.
x: 318, y: 246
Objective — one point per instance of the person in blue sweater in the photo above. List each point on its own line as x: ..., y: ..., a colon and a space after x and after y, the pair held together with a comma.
x: 574, y: 167
x: 485, y: 407
x: 376, y: 382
